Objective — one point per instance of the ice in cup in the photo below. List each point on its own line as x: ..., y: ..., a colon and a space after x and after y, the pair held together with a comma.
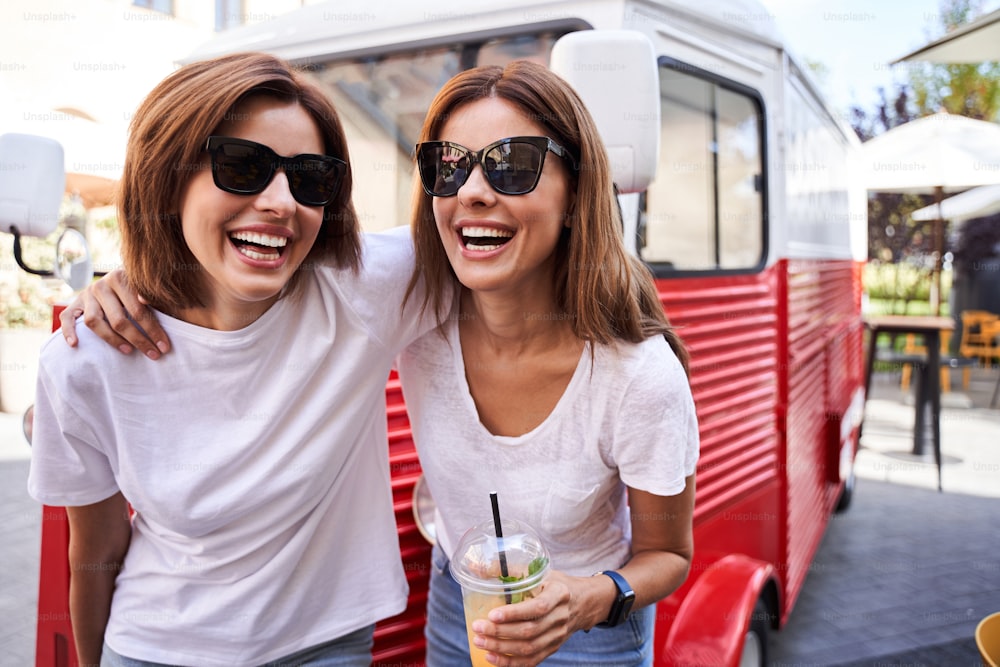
x: 479, y: 564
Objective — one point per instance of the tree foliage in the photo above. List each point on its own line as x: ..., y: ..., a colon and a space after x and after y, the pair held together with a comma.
x: 968, y: 90
x: 972, y: 89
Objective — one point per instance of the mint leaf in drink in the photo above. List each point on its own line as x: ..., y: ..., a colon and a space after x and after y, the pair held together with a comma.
x: 537, y: 565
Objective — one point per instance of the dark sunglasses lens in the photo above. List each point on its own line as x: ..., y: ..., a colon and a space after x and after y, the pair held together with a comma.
x: 443, y: 169
x: 314, y: 181
x: 513, y: 168
x: 241, y: 169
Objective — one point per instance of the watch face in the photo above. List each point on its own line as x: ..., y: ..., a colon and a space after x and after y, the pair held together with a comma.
x: 623, y: 602
x: 627, y: 606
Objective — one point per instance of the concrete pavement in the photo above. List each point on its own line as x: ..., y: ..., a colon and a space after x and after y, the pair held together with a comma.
x: 904, y: 575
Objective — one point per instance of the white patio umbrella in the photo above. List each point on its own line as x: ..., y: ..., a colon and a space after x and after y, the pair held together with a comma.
x: 933, y: 155
x: 974, y: 203
x: 942, y: 150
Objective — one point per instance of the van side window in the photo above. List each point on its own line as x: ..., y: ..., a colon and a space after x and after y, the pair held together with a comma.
x: 705, y: 210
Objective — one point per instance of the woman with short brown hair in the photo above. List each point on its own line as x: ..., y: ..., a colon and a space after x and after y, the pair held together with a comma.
x: 244, y: 455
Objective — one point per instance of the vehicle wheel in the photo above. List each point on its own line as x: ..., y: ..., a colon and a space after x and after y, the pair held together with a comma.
x: 755, y: 642
x: 844, y: 501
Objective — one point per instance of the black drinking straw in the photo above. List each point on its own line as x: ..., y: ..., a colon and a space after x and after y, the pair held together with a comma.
x: 500, y: 549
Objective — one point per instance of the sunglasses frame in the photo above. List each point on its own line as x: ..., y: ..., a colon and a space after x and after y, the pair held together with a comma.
x: 291, y: 165
x: 544, y: 144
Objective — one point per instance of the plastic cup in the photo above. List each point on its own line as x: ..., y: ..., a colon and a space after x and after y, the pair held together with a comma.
x: 478, y: 563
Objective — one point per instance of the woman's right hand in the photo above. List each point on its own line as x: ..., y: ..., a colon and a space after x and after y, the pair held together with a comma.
x: 118, y: 315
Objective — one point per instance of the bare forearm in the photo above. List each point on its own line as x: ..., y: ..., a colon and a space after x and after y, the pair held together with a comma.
x: 90, y: 590
x: 654, y: 575
x: 99, y: 537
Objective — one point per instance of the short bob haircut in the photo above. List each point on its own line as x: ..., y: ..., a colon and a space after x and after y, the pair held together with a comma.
x: 166, y: 146
x: 606, y: 293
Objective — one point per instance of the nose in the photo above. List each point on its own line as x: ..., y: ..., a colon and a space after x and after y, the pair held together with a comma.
x: 277, y: 198
x: 476, y: 189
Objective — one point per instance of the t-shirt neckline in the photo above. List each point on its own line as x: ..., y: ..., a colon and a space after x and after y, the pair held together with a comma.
x: 561, y: 405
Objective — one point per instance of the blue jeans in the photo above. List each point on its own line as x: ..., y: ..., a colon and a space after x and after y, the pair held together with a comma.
x: 627, y: 645
x: 351, y: 650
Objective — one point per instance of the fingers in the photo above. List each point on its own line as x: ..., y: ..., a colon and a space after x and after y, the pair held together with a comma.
x: 119, y: 317
x: 523, y: 644
x: 528, y: 632
x: 67, y: 320
x: 93, y: 316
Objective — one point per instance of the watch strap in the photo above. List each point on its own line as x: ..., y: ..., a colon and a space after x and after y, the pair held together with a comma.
x: 622, y: 604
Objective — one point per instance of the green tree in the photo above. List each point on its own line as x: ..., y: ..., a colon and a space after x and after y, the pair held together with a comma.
x: 892, y: 236
x: 972, y: 89
x: 969, y: 90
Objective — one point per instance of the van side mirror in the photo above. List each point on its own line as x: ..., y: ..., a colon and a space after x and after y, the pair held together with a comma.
x: 32, y: 181
x: 615, y: 73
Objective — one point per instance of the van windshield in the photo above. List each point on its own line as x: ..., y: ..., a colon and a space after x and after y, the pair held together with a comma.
x: 382, y: 102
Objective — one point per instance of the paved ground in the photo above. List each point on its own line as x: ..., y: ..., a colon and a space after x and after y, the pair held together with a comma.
x: 900, y: 579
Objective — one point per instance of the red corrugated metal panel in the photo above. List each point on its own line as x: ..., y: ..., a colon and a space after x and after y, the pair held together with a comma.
x: 805, y: 471
x: 730, y: 327
x: 400, y: 640
x: 824, y: 362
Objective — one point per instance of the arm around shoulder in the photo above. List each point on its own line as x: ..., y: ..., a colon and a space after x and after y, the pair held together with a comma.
x: 118, y: 315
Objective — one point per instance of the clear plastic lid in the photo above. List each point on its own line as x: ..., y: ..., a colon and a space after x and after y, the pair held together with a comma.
x: 481, y: 557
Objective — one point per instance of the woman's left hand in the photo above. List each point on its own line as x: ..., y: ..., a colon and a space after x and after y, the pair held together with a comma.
x: 524, y: 634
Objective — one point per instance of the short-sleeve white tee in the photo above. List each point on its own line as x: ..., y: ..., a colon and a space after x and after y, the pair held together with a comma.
x: 256, y: 462
x: 627, y: 417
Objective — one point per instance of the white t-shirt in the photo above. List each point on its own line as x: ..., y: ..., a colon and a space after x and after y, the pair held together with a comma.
x: 256, y: 461
x: 628, y: 418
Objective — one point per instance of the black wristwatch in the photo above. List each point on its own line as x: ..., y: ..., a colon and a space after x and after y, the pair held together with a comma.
x: 622, y: 605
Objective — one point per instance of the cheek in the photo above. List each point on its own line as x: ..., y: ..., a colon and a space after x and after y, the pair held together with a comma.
x: 312, y: 220
x: 441, y: 207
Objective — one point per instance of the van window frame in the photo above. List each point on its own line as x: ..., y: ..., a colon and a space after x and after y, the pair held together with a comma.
x: 665, y: 270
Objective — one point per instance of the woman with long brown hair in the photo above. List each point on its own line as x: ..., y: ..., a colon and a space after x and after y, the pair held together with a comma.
x: 556, y: 381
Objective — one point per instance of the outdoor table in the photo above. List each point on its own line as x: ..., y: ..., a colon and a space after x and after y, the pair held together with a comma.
x: 928, y: 388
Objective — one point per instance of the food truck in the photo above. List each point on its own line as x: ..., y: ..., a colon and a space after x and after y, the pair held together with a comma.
x: 752, y: 223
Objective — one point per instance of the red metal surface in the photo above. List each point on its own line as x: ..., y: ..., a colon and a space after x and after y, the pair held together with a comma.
x: 716, y: 614
x: 54, y: 639
x: 400, y: 640
x: 730, y: 327
x: 776, y: 357
x: 54, y: 645
x: 824, y: 364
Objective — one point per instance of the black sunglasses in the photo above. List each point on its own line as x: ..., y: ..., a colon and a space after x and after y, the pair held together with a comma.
x: 512, y: 166
x: 245, y: 168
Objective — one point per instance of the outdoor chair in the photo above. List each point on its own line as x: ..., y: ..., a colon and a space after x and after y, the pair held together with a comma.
x: 980, y: 331
x: 948, y: 362
x: 988, y: 639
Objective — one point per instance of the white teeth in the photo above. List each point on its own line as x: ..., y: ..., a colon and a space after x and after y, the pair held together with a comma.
x: 261, y: 239
x: 253, y: 254
x: 490, y: 232
x: 485, y: 248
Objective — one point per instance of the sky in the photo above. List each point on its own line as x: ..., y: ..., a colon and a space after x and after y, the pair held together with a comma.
x: 857, y: 39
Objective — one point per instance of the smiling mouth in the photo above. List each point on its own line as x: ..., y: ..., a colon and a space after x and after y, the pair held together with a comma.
x: 484, y: 239
x: 261, y: 247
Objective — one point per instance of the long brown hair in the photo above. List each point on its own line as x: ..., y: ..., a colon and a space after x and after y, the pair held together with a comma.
x: 606, y: 293
x: 165, y: 148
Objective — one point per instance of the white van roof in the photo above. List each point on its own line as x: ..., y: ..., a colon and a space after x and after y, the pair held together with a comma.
x: 352, y: 27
